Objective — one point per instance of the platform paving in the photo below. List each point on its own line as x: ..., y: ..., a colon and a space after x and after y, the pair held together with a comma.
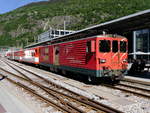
x: 139, y: 79
x: 9, y: 103
x: 2, y: 109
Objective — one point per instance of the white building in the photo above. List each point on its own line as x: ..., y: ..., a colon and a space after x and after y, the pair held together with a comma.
x: 52, y: 33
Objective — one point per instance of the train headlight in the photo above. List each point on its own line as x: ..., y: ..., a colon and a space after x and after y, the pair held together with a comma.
x: 102, y: 60
x: 125, y: 60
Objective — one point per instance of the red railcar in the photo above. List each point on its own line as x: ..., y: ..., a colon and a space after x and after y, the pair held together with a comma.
x: 10, y: 55
x: 18, y: 55
x: 31, y: 55
x: 94, y: 57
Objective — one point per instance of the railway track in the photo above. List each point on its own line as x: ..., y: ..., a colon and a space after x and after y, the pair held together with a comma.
x: 59, y: 97
x: 134, y: 86
x: 136, y: 81
x: 123, y: 87
x: 131, y: 89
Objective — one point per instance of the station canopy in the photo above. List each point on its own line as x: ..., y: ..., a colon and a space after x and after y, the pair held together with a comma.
x: 119, y: 26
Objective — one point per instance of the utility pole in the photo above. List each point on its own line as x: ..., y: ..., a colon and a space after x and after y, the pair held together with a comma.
x: 27, y: 41
x: 64, y: 27
x: 148, y: 46
x: 34, y: 39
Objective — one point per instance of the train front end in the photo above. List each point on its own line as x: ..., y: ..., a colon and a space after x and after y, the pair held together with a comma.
x: 111, y: 56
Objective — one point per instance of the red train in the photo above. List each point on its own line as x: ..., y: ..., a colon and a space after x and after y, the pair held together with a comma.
x: 93, y: 57
x: 31, y: 55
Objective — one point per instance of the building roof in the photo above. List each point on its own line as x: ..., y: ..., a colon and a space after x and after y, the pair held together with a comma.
x: 128, y: 23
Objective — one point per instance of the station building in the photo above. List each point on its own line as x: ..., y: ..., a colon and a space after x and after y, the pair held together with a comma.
x: 136, y: 27
x: 52, y: 33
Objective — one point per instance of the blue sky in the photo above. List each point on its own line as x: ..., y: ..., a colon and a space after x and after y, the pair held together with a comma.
x: 9, y: 5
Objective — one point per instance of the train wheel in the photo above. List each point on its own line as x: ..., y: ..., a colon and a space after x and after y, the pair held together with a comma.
x: 89, y: 79
x: 40, y: 67
x: 55, y: 70
x: 92, y: 80
x: 64, y: 72
x: 51, y: 69
x: 116, y: 82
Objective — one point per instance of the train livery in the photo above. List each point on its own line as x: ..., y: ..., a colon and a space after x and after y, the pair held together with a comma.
x: 31, y: 55
x: 93, y: 57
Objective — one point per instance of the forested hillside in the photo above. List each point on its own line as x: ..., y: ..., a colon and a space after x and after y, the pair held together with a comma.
x: 25, y: 23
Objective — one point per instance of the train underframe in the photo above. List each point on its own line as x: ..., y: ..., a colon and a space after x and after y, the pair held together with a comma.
x: 90, y: 75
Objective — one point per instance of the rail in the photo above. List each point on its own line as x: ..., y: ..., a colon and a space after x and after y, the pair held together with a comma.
x: 79, y: 99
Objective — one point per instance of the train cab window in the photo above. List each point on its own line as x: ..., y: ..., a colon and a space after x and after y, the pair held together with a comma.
x: 88, y: 47
x: 104, y: 46
x: 114, y: 46
x: 123, y: 46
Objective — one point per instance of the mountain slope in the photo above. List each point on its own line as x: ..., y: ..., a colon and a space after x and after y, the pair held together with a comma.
x: 25, y: 23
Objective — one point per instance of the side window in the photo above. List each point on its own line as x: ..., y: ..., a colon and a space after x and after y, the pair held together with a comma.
x: 46, y: 51
x: 104, y: 46
x: 123, y: 46
x: 57, y: 51
x: 32, y: 54
x: 35, y: 51
x: 115, y: 46
x: 88, y: 47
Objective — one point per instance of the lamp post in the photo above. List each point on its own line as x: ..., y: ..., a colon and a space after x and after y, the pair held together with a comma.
x: 148, y: 44
x: 134, y: 44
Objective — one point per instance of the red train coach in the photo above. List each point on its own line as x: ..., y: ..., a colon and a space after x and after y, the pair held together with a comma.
x: 10, y: 55
x: 94, y: 57
x: 18, y: 55
x: 31, y: 55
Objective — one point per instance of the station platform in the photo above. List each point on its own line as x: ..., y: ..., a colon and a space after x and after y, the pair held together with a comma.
x: 144, y: 75
x: 9, y: 103
x: 138, y: 79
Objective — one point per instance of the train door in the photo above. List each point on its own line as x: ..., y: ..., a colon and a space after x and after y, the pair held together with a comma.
x: 56, y: 55
x: 115, y: 57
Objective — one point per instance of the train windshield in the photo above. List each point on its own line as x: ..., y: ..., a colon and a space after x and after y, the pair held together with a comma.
x: 104, y: 46
x: 123, y: 46
x: 115, y: 46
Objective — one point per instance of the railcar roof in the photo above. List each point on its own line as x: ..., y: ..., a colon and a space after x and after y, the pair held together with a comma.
x: 110, y: 35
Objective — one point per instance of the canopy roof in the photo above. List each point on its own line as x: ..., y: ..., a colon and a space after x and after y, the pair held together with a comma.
x: 128, y: 23
x: 140, y: 53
